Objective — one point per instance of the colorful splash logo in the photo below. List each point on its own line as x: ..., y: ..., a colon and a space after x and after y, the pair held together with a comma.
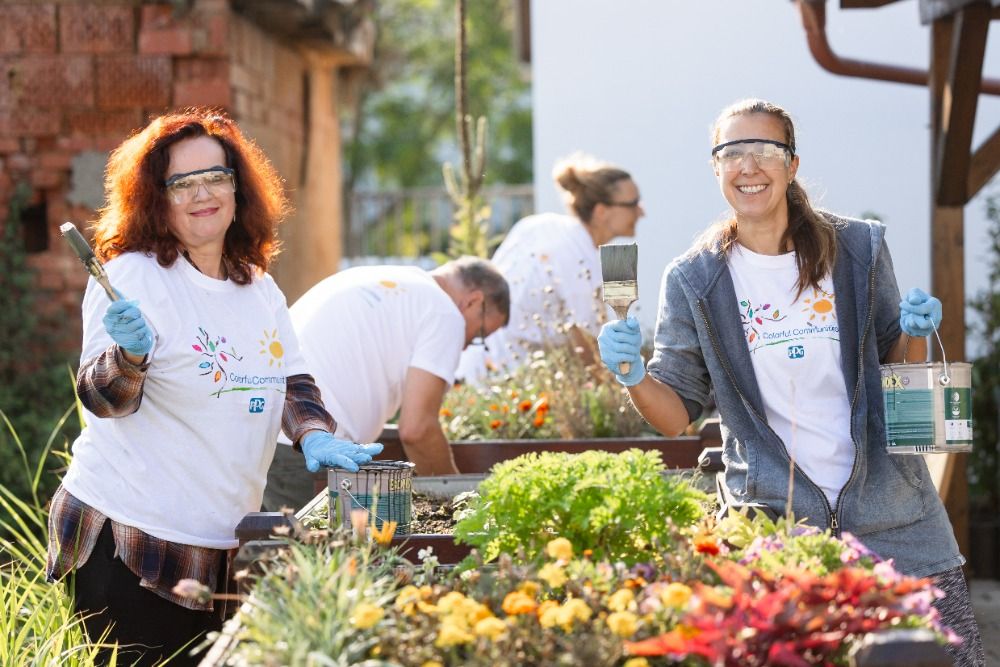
x: 216, y: 359
x: 754, y: 318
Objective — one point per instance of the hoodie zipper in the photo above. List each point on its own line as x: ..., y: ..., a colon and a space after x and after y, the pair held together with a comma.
x: 854, y: 401
x: 834, y: 525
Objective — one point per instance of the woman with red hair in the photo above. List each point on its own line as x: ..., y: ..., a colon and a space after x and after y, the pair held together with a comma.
x: 185, y: 380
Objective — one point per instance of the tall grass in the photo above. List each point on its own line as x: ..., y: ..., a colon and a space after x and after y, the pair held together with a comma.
x: 37, y: 622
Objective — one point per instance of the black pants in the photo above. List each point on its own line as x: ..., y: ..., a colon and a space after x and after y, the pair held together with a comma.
x: 147, y: 628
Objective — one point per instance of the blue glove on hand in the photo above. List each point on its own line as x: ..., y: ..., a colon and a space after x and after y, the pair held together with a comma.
x: 322, y: 449
x: 125, y: 324
x: 919, y: 313
x: 620, y: 341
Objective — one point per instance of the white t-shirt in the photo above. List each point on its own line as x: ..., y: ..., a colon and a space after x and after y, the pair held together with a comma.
x: 192, y: 460
x: 361, y: 330
x: 795, y: 348
x: 554, y: 273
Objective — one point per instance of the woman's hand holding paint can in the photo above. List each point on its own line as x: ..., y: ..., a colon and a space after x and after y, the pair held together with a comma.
x: 919, y: 313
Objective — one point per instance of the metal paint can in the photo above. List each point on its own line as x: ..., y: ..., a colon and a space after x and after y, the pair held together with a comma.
x: 384, y: 489
x: 928, y: 407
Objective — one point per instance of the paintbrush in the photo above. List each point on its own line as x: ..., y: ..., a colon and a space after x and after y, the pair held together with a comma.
x: 86, y: 255
x: 619, y: 264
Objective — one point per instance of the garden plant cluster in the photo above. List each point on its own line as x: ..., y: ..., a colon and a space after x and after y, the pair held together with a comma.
x: 594, y: 559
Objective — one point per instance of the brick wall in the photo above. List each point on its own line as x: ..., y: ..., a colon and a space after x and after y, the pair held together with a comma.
x: 77, y: 76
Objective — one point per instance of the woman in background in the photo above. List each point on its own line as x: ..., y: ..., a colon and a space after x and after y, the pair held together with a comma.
x: 553, y: 266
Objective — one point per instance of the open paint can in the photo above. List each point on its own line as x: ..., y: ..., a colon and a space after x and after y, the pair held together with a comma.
x: 384, y: 489
x: 928, y: 407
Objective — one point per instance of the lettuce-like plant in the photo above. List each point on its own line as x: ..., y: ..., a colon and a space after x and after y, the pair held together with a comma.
x: 617, y: 506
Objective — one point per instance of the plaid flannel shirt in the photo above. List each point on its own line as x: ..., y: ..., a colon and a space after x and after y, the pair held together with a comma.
x: 110, y: 386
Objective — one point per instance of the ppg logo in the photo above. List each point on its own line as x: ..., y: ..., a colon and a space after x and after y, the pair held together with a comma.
x: 796, y: 351
x: 256, y: 405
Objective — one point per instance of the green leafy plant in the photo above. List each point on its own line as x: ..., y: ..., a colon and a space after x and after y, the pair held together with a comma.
x: 618, y: 506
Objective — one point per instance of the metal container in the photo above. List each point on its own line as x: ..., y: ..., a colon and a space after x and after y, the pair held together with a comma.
x: 928, y: 407
x: 381, y: 488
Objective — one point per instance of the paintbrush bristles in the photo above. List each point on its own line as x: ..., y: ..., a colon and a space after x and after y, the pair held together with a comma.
x: 619, y: 262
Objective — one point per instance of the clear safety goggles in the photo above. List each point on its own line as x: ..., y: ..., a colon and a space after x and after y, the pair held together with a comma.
x: 767, y: 153
x: 182, y: 188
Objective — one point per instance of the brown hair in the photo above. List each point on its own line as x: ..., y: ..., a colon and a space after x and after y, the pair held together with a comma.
x: 587, y: 182
x: 811, y: 234
x: 135, y: 216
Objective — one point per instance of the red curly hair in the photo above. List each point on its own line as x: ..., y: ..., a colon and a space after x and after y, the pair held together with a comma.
x: 137, y: 211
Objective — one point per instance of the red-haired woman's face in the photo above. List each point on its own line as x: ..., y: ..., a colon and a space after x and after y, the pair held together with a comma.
x: 201, y: 215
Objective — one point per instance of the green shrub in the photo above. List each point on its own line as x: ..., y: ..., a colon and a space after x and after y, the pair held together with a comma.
x: 619, y: 506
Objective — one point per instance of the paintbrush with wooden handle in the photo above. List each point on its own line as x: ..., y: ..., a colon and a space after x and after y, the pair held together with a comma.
x: 619, y: 266
x: 86, y: 255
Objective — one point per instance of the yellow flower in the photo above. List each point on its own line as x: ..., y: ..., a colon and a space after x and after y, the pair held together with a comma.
x: 560, y: 549
x: 435, y: 663
x: 530, y: 588
x: 548, y: 613
x: 452, y: 632
x: 518, y: 602
x: 553, y: 575
x: 450, y: 602
x: 366, y: 615
x: 572, y: 610
x: 622, y: 623
x: 407, y: 600
x: 383, y: 535
x: 634, y: 662
x: 675, y: 595
x: 622, y: 600
x: 491, y: 627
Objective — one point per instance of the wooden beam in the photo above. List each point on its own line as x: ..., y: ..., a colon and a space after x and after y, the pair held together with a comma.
x: 985, y: 163
x: 958, y: 102
x: 864, y: 4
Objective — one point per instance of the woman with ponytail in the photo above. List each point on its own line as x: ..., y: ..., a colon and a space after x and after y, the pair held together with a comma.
x: 783, y: 314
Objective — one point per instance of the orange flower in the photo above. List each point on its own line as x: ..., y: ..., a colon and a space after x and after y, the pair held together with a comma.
x: 518, y: 602
x: 538, y: 420
x: 505, y: 408
x: 706, y: 544
x: 494, y: 407
x: 495, y: 424
x: 445, y: 412
x: 524, y: 405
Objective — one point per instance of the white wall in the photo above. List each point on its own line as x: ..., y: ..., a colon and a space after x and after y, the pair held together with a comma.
x: 639, y: 83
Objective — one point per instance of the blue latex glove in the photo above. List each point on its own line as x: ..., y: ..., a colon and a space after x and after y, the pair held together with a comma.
x: 919, y: 313
x: 322, y: 449
x: 125, y: 324
x: 620, y: 340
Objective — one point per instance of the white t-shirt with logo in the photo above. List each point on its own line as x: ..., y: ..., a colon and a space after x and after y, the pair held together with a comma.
x: 361, y: 329
x: 193, y: 459
x: 554, y: 273
x: 794, y: 344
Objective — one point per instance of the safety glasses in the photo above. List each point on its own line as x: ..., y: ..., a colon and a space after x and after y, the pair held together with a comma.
x: 182, y: 188
x: 767, y: 153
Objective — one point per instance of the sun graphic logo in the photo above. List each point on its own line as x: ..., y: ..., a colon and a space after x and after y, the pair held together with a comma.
x: 271, y: 346
x: 820, y: 306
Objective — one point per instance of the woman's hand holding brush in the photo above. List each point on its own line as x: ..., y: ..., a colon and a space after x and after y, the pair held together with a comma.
x: 620, y: 341
x: 128, y: 328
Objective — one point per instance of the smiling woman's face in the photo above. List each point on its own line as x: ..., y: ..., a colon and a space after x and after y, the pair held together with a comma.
x: 756, y: 193
x: 201, y: 223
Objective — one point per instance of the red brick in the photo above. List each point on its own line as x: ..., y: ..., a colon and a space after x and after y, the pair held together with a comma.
x: 161, y: 33
x: 55, y: 160
x: 50, y: 280
x: 94, y: 28
x: 28, y: 28
x: 212, y: 93
x: 200, y: 68
x: 133, y: 81
x: 46, y: 178
x: 9, y: 145
x: 46, y: 81
x: 29, y: 122
x: 211, y: 35
x: 93, y: 123
x: 19, y: 162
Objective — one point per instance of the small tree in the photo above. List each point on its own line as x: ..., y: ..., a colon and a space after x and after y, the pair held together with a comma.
x: 984, y: 462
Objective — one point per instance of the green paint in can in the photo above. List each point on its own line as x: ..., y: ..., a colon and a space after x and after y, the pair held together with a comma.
x: 928, y: 407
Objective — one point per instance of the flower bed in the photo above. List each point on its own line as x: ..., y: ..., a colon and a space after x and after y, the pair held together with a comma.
x: 617, y: 566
